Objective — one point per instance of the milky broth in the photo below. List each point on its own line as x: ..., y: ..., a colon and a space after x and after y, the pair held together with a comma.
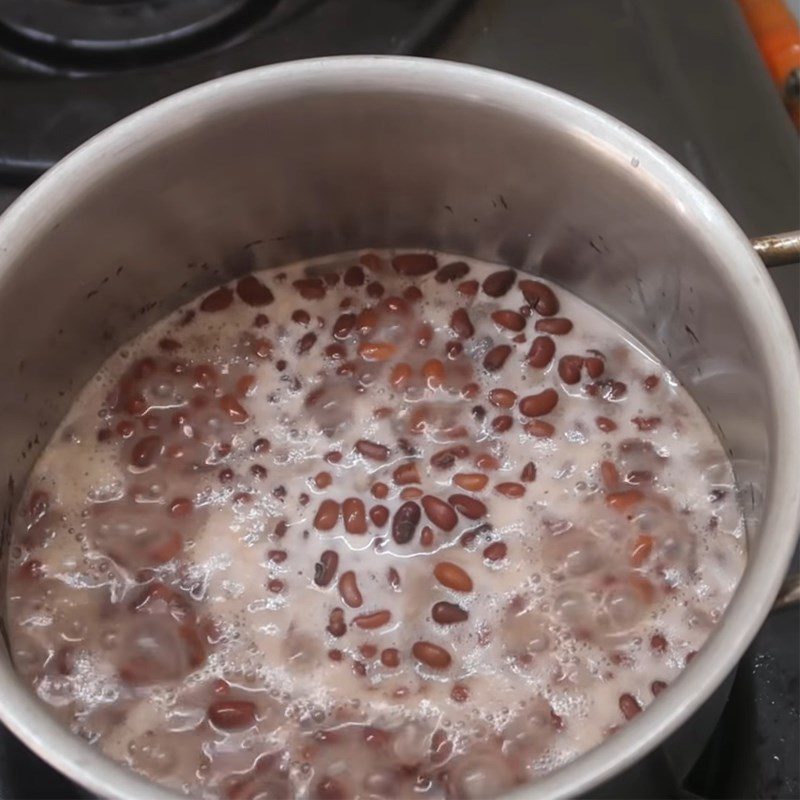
x: 378, y: 525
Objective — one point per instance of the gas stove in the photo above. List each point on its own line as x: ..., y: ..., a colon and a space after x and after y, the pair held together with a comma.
x: 685, y: 74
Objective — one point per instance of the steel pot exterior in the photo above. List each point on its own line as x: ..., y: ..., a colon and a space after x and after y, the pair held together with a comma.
x: 302, y: 159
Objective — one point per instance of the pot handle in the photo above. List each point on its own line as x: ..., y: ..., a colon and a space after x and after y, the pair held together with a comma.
x: 789, y: 594
x: 778, y: 249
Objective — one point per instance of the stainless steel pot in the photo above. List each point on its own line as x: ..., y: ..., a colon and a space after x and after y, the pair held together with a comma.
x: 314, y: 157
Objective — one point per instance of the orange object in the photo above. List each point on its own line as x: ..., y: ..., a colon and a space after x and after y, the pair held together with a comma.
x: 777, y: 34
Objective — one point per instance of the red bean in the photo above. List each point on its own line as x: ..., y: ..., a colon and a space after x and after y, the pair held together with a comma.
x: 496, y: 551
x: 448, y: 613
x: 325, y: 568
x: 231, y: 715
x: 468, y: 288
x: 453, y: 271
x: 390, y: 657
x: 540, y: 297
x: 461, y: 324
x: 444, y: 459
x: 253, y: 292
x: 537, y: 405
x: 405, y: 522
x: 146, y: 451
x: 496, y: 357
x: 432, y: 655
x: 452, y: 576
x: 234, y: 409
x: 354, y: 515
x: 377, y: 619
x: 344, y: 325
x: 629, y: 706
x: 405, y: 474
x: 498, y: 283
x: 605, y: 424
x: 310, y: 288
x: 336, y: 624
x: 470, y: 507
x: 656, y: 687
x: 594, y: 366
x: 510, y: 489
x: 471, y: 481
x: 569, y: 368
x: 218, y: 300
x: 502, y: 423
x: 528, y: 472
x: 439, y: 513
x: 348, y: 589
x: 510, y: 320
x: 542, y: 351
x: 502, y: 398
x: 354, y: 276
x: 372, y: 450
x: 557, y: 326
x: 414, y: 264
x: 327, y: 515
x: 379, y: 515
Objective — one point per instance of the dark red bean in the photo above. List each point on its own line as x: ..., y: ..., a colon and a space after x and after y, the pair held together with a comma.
x: 536, y: 405
x: 404, y: 524
x: 448, y: 613
x: 510, y: 320
x: 354, y: 276
x: 218, y: 300
x: 656, y: 687
x: 414, y: 264
x: 306, y: 342
x: 310, y: 288
x: 146, y: 451
x: 594, y: 366
x: 253, y: 292
x: 569, y: 368
x: 498, y: 283
x: 496, y: 357
x: 344, y: 325
x: 336, y: 624
x: 461, y: 324
x: 542, y: 350
x: 444, y: 459
x: 558, y: 326
x: 605, y: 424
x: 453, y: 271
x: 540, y: 297
x: 528, y: 472
x: 390, y: 657
x: 232, y: 715
x: 325, y: 568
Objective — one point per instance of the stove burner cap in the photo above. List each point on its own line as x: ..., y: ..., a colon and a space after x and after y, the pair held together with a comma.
x: 114, y: 26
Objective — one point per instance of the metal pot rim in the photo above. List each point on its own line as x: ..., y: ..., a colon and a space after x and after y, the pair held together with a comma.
x: 32, y: 214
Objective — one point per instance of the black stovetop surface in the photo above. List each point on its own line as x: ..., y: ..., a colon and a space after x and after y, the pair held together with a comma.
x: 684, y: 73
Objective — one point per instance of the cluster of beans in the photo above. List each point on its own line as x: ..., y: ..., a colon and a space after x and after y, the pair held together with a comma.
x: 175, y: 422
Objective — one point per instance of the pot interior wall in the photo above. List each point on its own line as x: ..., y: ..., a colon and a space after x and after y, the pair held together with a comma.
x: 245, y: 181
